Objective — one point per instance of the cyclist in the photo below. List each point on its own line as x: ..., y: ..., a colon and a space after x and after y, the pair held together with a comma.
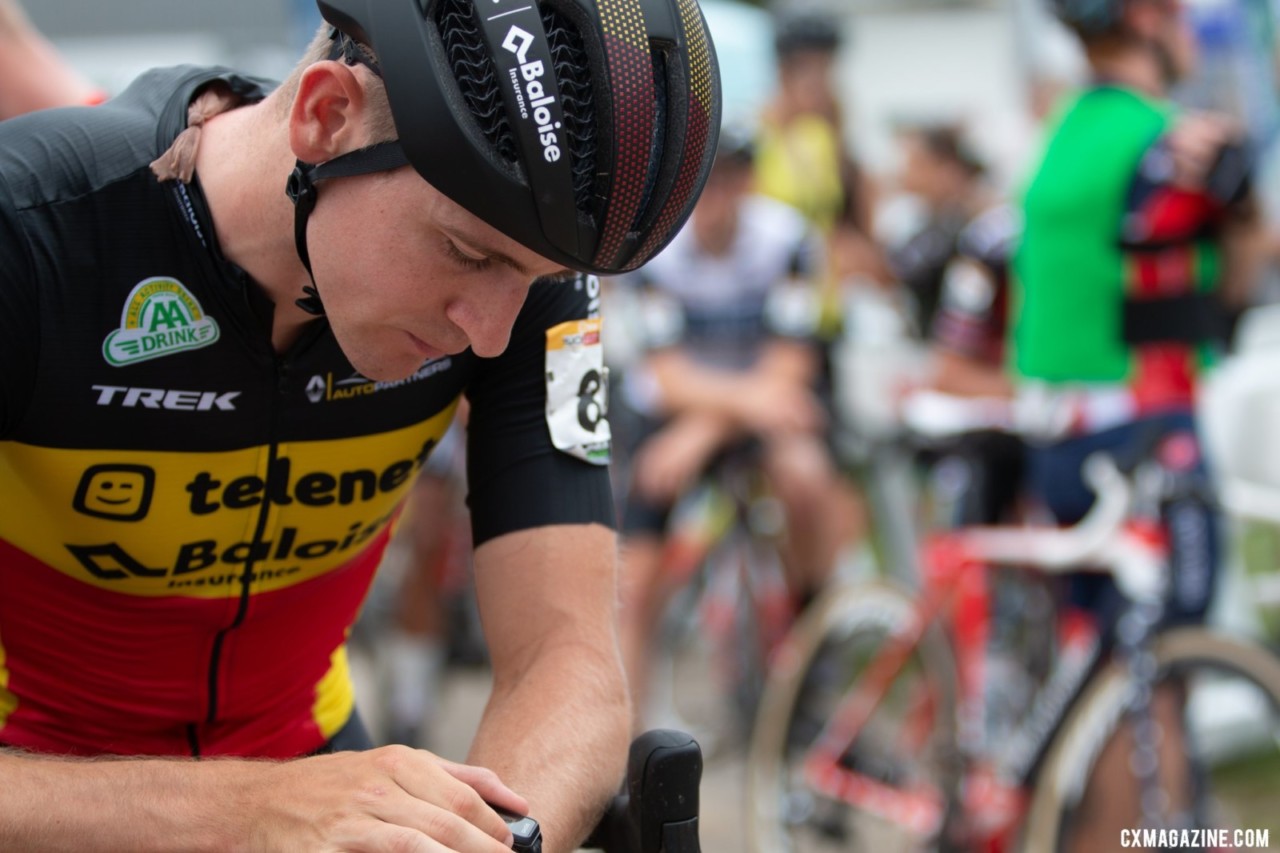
x: 198, y: 468
x: 941, y: 170
x: 1134, y: 218
x: 803, y: 158
x: 33, y: 76
x: 726, y: 363
x: 982, y: 467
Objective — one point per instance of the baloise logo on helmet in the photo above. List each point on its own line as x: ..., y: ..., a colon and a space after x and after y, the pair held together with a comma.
x: 533, y: 96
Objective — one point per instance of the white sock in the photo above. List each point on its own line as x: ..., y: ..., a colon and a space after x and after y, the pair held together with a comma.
x: 415, y: 665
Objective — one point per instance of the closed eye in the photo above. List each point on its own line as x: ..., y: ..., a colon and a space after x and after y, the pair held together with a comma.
x: 462, y: 259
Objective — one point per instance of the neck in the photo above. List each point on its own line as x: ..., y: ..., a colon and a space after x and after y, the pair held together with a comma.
x: 1136, y: 67
x: 243, y: 163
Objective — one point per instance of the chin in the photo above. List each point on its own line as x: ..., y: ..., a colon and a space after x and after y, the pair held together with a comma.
x: 386, y: 367
x: 391, y: 373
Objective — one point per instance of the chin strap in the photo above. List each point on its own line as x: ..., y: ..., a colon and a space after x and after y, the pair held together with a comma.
x: 302, y: 191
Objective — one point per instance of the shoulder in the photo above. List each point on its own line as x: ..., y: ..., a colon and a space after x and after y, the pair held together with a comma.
x: 992, y: 234
x: 773, y: 220
x: 61, y: 154
x: 555, y: 300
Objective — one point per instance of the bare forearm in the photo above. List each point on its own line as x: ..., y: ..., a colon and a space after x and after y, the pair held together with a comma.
x: 558, y: 720
x: 686, y: 386
x: 559, y: 737
x: 35, y: 75
x: 49, y: 804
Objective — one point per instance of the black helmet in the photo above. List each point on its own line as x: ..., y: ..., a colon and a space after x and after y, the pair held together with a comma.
x: 583, y: 129
x: 1089, y: 17
x: 805, y: 31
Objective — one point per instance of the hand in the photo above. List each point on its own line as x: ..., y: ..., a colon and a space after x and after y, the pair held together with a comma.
x: 389, y: 799
x: 1194, y: 144
x: 772, y: 407
x: 667, y: 464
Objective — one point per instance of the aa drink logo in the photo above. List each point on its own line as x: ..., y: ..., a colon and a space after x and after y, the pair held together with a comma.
x: 160, y: 318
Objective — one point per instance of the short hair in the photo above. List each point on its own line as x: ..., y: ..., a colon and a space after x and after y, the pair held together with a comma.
x: 1092, y: 20
x: 947, y: 142
x: 805, y: 31
x: 378, y: 120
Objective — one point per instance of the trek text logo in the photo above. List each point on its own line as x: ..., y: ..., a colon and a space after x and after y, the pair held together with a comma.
x: 160, y: 318
x: 159, y: 398
x: 534, y: 97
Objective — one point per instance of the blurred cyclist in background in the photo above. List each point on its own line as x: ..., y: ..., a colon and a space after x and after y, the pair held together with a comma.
x: 803, y: 156
x: 1136, y: 217
x: 1137, y: 222
x: 967, y: 344
x: 723, y: 366
x: 945, y: 175
x: 407, y: 623
x: 33, y: 76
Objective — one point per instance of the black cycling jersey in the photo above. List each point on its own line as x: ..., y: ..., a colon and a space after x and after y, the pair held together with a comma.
x: 188, y: 520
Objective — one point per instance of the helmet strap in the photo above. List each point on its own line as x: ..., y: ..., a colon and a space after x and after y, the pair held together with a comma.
x: 303, y: 192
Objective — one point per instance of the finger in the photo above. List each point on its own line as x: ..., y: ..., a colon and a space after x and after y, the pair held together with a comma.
x: 487, y: 784
x: 381, y: 837
x: 434, y: 782
x: 423, y: 826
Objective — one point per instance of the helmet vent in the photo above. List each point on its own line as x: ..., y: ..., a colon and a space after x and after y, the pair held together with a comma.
x: 476, y: 75
x: 577, y: 96
x: 477, y: 78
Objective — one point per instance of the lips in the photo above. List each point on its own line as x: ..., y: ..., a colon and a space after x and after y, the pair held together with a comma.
x: 426, y: 350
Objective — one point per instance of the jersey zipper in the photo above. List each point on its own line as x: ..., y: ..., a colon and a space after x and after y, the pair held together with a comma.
x: 281, y: 370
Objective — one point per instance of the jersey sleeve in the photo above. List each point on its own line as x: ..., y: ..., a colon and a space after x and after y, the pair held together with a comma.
x: 793, y: 305
x: 1158, y: 212
x: 538, y: 439
x: 19, y: 329
x: 963, y: 321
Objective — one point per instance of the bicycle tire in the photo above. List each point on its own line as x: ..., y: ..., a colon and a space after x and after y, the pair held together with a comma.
x: 729, y: 657
x: 871, y: 612
x: 1095, y: 717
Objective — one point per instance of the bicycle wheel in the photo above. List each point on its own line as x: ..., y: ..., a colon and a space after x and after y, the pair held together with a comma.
x: 711, y: 659
x: 1225, y: 722
x: 894, y: 786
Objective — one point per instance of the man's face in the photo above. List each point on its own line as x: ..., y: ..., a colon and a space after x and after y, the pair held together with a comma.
x: 1174, y: 38
x: 716, y: 212
x: 806, y: 80
x: 1180, y: 40
x: 407, y: 275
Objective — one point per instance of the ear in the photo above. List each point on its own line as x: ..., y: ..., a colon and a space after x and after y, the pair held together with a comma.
x: 326, y: 117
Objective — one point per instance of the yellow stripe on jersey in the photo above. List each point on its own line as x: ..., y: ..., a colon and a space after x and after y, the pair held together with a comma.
x: 8, y: 702
x: 160, y: 523
x: 335, y: 699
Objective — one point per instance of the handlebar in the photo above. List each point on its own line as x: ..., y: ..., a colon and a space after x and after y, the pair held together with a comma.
x: 658, y: 810
x: 1101, y: 541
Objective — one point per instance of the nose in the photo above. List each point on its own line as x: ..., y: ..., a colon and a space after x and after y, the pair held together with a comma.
x: 486, y: 315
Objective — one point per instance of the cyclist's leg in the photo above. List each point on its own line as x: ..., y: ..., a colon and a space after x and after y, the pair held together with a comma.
x: 416, y: 645
x: 1228, y: 714
x: 643, y: 592
x: 824, y: 514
